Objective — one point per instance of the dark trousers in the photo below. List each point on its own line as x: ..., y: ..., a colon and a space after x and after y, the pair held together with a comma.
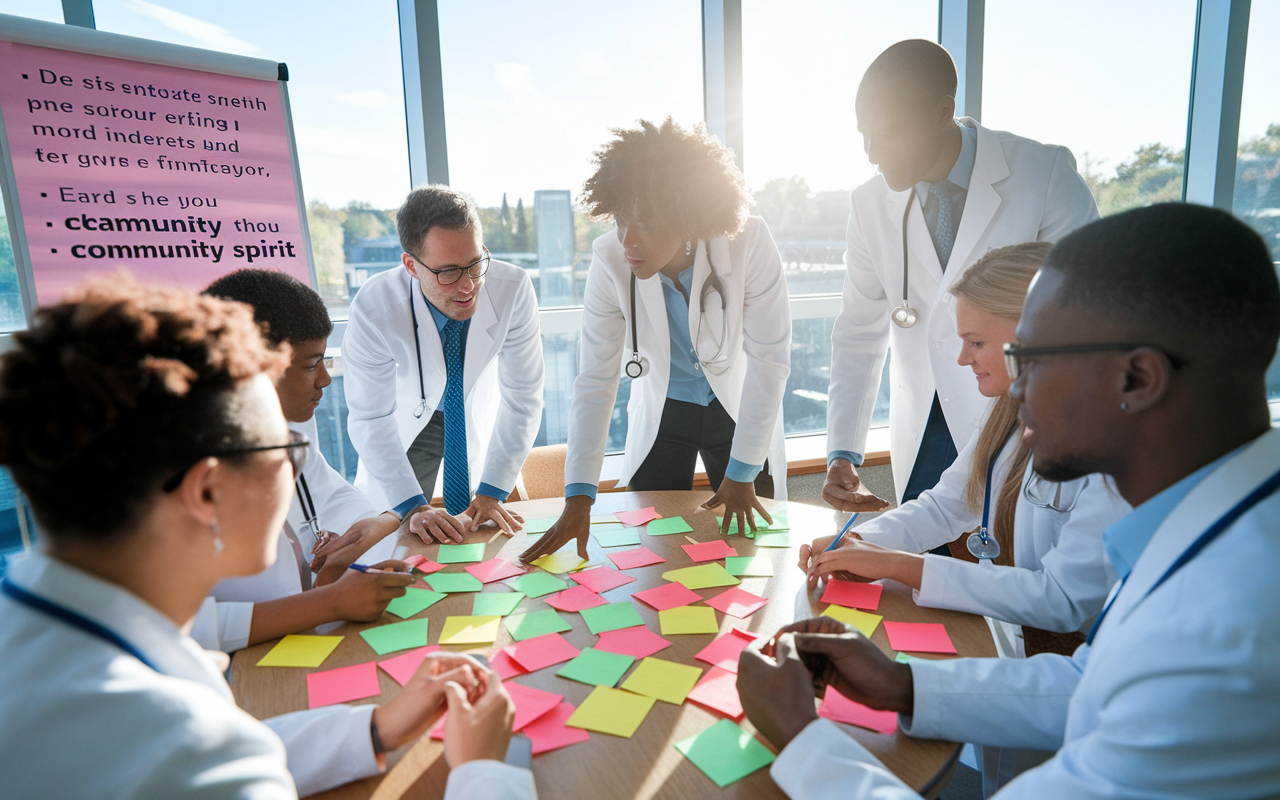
x: 937, y: 452
x: 426, y: 453
x: 686, y: 431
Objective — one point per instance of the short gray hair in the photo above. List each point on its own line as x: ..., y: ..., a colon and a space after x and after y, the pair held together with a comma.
x: 431, y: 206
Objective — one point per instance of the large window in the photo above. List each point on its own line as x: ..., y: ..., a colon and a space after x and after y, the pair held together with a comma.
x: 1257, y: 189
x: 1109, y: 80
x: 47, y: 10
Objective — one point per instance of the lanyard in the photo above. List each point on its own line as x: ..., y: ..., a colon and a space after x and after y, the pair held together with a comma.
x: 73, y: 619
x: 1265, y: 490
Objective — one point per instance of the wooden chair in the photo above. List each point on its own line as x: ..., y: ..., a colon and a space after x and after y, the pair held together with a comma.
x: 543, y: 473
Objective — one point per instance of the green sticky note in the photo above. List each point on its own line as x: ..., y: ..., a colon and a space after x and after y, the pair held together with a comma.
x: 612, y: 617
x: 461, y: 553
x: 597, y: 667
x: 536, y: 584
x: 454, y: 582
x: 396, y: 636
x: 495, y: 604
x: 703, y: 576
x: 776, y: 539
x: 536, y: 623
x: 903, y: 658
x: 779, y: 524
x: 667, y: 526
x: 725, y: 752
x: 413, y: 601
x: 300, y: 650
x: 609, y: 536
x: 744, y: 566
x: 540, y: 525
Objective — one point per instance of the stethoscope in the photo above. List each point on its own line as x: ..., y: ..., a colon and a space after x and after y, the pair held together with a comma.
x: 417, y: 348
x: 638, y: 366
x: 904, y: 316
x: 980, y: 543
x: 310, y: 518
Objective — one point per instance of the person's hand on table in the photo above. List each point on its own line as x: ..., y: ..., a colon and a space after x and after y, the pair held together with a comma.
x: 363, y: 596
x: 868, y: 561
x: 484, y: 508
x: 842, y: 658
x: 478, y: 727
x: 841, y: 489
x: 434, y: 525
x: 332, y: 557
x: 776, y: 690
x: 574, y: 523
x: 739, y: 501
x: 808, y: 552
x: 420, y: 702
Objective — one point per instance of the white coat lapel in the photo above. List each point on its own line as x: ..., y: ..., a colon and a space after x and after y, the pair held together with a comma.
x: 922, y: 254
x: 479, y: 340
x: 433, y: 368
x: 982, y: 203
x: 650, y: 301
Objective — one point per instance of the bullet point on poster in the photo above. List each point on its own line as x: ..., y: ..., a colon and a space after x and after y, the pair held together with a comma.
x: 48, y: 224
x: 53, y: 250
x: 24, y: 77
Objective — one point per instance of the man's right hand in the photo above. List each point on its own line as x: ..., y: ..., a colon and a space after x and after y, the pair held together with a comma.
x: 844, y: 659
x: 841, y: 489
x: 363, y: 596
x: 574, y: 523
x: 435, y: 525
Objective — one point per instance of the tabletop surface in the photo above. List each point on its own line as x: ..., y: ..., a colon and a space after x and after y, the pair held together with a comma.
x: 647, y: 765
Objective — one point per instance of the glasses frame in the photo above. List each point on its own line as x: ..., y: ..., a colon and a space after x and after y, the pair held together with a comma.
x: 297, y: 457
x: 1013, y: 353
x: 458, y: 271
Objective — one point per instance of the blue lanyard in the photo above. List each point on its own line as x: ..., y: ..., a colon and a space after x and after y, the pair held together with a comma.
x: 73, y: 619
x: 986, y: 500
x: 1265, y: 490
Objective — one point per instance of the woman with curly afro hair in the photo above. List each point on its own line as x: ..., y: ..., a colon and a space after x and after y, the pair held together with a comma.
x: 687, y: 298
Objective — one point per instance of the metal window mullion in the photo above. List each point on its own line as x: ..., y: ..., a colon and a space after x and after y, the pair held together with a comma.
x: 961, y: 29
x: 423, y: 91
x: 722, y: 71
x: 1217, y: 84
x: 78, y: 13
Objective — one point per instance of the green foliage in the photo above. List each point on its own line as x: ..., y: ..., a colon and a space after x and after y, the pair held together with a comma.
x: 507, y: 231
x: 786, y: 203
x: 327, y: 232
x: 1256, y: 198
x: 363, y: 221
x: 1152, y: 175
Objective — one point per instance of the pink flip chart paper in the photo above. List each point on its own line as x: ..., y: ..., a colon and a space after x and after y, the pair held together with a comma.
x: 600, y: 579
x: 669, y: 595
x: 638, y: 642
x: 839, y: 708
x: 718, y: 691
x: 575, y: 599
x: 639, y: 557
x: 402, y: 667
x: 542, y: 651
x: 723, y: 652
x: 919, y: 637
x: 865, y: 596
x: 709, y: 551
x: 737, y: 603
x: 495, y: 569
x: 548, y: 732
x: 342, y: 685
x: 636, y: 518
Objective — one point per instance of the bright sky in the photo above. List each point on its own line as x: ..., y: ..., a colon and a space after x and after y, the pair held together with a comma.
x: 531, y: 89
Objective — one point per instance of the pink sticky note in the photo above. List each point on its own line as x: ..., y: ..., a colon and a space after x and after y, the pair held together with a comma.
x: 342, y: 685
x: 575, y: 599
x: 505, y: 665
x: 668, y: 595
x: 637, y: 518
x: 737, y: 602
x: 723, y: 652
x: 495, y: 569
x: 422, y: 564
x: 402, y: 667
x: 709, y: 551
x: 548, y: 732
x: 718, y: 691
x: 637, y: 642
x: 839, y: 708
x: 600, y: 579
x: 865, y: 596
x: 530, y: 703
x: 639, y: 557
x: 542, y: 651
x: 919, y: 637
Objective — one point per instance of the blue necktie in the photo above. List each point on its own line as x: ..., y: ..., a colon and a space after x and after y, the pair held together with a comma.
x: 457, y: 480
x: 943, y: 233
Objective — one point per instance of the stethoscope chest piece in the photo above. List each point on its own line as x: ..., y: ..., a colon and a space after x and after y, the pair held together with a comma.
x: 981, y: 548
x: 904, y: 316
x: 637, y: 367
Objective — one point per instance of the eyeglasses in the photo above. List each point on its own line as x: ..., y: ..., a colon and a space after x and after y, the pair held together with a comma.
x: 296, y: 449
x: 1052, y: 495
x: 447, y: 277
x: 1014, y: 355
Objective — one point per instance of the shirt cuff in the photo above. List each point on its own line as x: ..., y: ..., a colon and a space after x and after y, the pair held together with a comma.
x: 409, y: 505
x: 742, y: 472
x: 848, y: 455
x: 581, y: 489
x: 489, y: 490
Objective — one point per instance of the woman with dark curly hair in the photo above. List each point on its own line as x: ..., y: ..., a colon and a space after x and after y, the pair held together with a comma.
x: 687, y: 298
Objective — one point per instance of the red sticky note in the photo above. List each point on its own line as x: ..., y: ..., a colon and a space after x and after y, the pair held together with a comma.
x: 919, y: 637
x: 718, y: 691
x: 639, y: 557
x: 737, y: 603
x: 865, y: 596
x: 530, y: 703
x: 575, y: 599
x: 505, y: 665
x: 495, y: 569
x: 542, y: 651
x: 637, y: 518
x: 667, y: 596
x: 422, y: 564
x: 638, y: 642
x: 548, y: 732
x: 342, y: 685
x: 402, y: 667
x: 600, y: 579
x: 723, y: 652
x: 839, y: 708
x: 709, y: 551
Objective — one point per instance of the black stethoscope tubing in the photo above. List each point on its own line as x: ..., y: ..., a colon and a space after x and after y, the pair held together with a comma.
x: 417, y: 347
x: 712, y: 283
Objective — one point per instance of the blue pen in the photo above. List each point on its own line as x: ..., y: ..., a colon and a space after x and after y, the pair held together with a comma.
x: 836, y: 543
x: 361, y: 568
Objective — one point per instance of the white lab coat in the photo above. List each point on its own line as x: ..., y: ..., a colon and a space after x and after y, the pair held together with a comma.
x: 82, y: 718
x: 502, y: 380
x: 1020, y: 191
x: 224, y: 619
x: 1178, y: 697
x: 753, y: 368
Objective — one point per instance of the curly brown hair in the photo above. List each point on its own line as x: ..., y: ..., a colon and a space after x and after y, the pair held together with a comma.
x: 117, y: 387
x: 682, y: 180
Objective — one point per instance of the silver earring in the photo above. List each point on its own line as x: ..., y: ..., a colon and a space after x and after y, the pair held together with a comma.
x: 1124, y: 406
x: 218, y: 546
x: 688, y: 248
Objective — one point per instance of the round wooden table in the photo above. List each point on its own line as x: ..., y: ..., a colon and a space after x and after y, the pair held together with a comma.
x: 647, y: 765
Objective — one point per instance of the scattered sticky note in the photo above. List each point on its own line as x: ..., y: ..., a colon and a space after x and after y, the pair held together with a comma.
x: 530, y: 703
x: 836, y: 706
x: 540, y: 525
x: 862, y: 620
x: 610, y: 537
x: 549, y: 732
x: 596, y: 667
x: 396, y: 636
x: 560, y: 562
x: 495, y: 604
x: 744, y: 566
x: 413, y: 601
x: 495, y: 569
x: 718, y: 691
x: 402, y: 667
x: 470, y: 630
x: 703, y: 576
x: 725, y: 753
x: 601, y: 579
x: 663, y: 680
x: 611, y: 711
x: 737, y: 602
x: 723, y: 652
x: 903, y: 658
x: 865, y: 596
x: 639, y: 557
x: 637, y: 517
x: 709, y: 551
x: 454, y: 582
x: 504, y: 664
x: 460, y: 553
x: 638, y: 642
x: 774, y: 539
x: 576, y: 599
x: 779, y: 524
x: 611, y: 617
x: 535, y: 623
x: 423, y: 564
x: 667, y: 526
x: 542, y: 651
x: 668, y: 595
x: 688, y: 619
x: 300, y: 650
x: 919, y: 637
x: 536, y: 584
x: 342, y: 685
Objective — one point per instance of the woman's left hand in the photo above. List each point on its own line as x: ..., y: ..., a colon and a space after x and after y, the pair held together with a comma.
x: 739, y: 500
x: 869, y: 561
